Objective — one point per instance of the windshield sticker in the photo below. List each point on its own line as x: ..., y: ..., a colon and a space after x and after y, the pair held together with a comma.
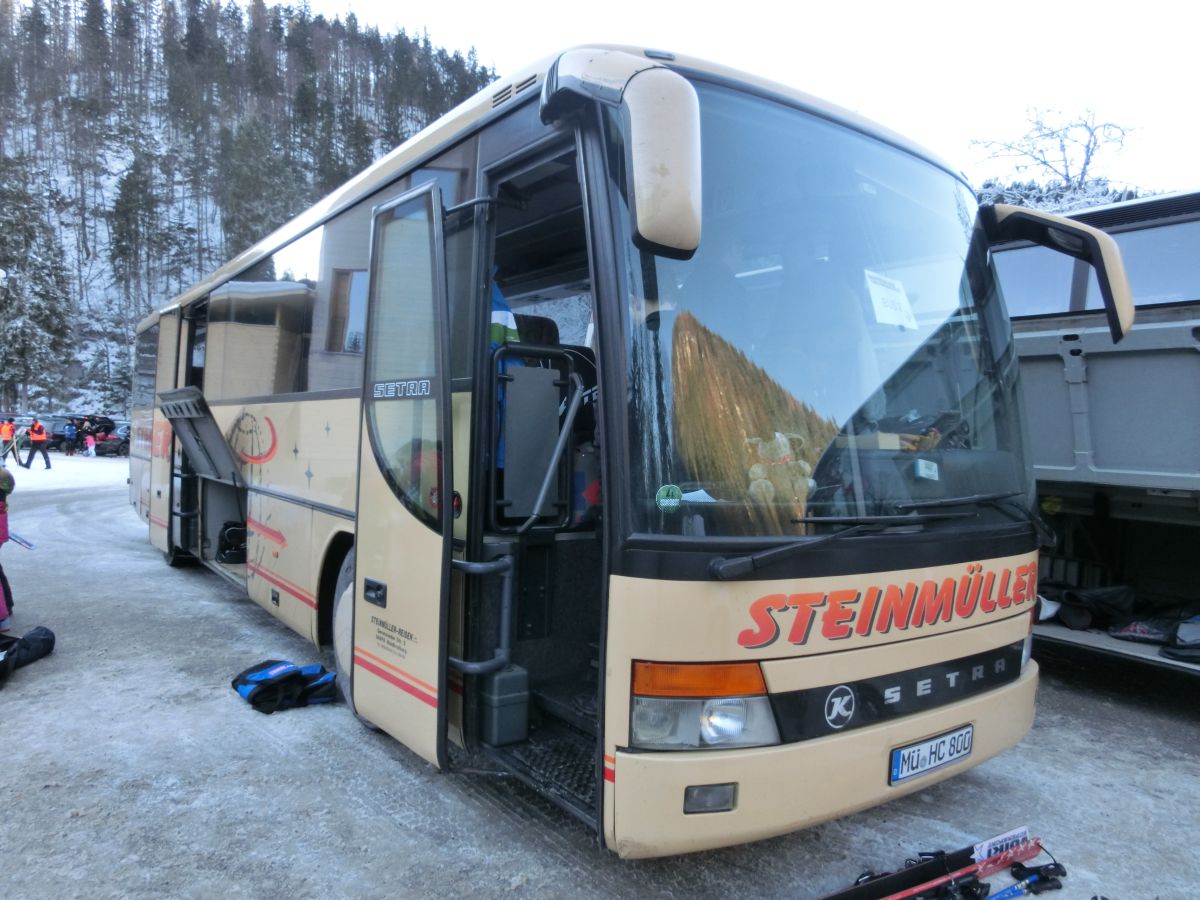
x: 668, y: 498
x: 890, y: 301
x: 926, y: 469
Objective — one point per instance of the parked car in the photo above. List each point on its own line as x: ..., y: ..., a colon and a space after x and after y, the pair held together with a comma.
x: 115, y: 442
x: 56, y: 425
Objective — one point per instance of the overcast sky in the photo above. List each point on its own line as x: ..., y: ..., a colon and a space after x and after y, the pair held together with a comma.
x: 942, y: 73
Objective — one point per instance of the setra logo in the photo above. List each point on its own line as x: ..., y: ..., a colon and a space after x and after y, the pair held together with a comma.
x: 420, y: 387
x: 839, y: 707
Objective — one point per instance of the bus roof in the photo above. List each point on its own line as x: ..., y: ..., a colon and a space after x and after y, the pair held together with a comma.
x: 454, y: 124
x: 1158, y: 206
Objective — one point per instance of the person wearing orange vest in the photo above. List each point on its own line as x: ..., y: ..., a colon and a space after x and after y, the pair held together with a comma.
x: 37, y: 443
x: 8, y: 441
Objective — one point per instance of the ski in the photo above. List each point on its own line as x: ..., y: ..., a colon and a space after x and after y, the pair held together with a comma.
x: 17, y: 539
x: 936, y: 869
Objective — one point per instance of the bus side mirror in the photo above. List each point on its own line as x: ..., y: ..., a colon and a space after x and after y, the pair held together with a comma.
x: 1002, y: 222
x: 661, y: 113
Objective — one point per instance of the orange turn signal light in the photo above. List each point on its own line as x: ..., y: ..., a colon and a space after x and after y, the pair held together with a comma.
x: 652, y: 679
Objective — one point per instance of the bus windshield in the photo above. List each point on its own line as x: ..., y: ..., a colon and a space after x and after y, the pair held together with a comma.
x: 835, y: 348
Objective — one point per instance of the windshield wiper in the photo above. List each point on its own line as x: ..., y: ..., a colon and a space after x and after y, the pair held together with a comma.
x: 1003, y: 501
x: 957, y: 501
x: 728, y: 567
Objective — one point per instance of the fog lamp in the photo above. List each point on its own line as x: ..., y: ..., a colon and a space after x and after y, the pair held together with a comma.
x: 709, y: 798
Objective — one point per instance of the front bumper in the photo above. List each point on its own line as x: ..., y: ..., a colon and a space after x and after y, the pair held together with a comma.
x: 785, y: 788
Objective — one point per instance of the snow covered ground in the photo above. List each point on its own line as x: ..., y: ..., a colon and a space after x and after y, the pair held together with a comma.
x: 132, y: 770
x: 67, y: 472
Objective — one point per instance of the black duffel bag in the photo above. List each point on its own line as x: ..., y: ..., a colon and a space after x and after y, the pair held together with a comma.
x: 21, y: 651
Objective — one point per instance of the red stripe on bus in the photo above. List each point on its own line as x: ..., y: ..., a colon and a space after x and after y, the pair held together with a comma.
x: 155, y: 520
x: 280, y: 582
x: 399, y: 671
x: 269, y: 533
x: 392, y: 679
x: 610, y: 775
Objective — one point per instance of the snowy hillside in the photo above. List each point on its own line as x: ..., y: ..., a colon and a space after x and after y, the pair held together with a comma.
x: 143, y: 142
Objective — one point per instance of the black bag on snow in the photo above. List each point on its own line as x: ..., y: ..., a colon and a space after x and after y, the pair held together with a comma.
x: 21, y: 651
x: 275, y: 684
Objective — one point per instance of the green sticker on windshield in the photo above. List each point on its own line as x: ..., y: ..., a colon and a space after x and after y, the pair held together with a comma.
x: 668, y: 498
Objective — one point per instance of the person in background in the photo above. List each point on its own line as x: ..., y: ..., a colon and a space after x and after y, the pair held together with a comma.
x: 503, y: 330
x: 37, y: 443
x: 70, y: 433
x: 89, y: 443
x: 8, y: 441
x: 7, y: 483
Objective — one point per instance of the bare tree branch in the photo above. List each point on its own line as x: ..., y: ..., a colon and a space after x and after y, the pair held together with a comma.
x: 1062, y: 149
x: 1057, y: 155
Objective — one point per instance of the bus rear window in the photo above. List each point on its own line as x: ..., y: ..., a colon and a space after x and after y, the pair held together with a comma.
x: 1160, y: 263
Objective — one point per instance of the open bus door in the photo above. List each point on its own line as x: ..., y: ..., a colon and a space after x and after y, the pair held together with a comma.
x: 403, y: 542
x: 161, y: 445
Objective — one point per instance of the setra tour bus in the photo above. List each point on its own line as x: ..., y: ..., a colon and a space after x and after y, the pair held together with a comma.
x: 646, y: 428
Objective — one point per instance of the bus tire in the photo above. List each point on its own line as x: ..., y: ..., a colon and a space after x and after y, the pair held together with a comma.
x: 343, y: 631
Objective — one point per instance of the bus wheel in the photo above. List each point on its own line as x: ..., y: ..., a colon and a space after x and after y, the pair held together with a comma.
x: 343, y: 630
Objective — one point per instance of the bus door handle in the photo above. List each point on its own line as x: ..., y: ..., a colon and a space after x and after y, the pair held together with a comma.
x: 503, y: 566
x: 375, y: 592
x: 564, y: 434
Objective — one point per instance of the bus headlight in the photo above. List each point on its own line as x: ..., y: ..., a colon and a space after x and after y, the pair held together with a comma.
x: 724, y: 719
x: 716, y: 723
x: 674, y: 707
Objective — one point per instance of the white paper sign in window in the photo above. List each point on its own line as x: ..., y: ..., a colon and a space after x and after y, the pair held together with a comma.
x: 889, y: 301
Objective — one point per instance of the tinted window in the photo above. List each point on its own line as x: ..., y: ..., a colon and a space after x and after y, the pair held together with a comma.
x: 1160, y: 262
x: 403, y: 397
x: 1163, y: 264
x: 144, y: 368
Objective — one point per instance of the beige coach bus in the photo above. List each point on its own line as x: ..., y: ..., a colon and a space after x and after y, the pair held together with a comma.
x: 645, y: 428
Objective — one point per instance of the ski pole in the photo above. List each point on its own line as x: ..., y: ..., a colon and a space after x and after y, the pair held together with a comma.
x: 1034, y: 884
x: 1033, y: 880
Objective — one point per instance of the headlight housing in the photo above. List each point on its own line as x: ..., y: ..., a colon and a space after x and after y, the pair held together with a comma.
x: 700, y: 706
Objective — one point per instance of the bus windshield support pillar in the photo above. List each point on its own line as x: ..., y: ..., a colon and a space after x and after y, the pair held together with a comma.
x: 503, y: 567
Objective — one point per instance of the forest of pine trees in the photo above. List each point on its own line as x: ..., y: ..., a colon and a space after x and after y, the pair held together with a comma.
x: 145, y: 142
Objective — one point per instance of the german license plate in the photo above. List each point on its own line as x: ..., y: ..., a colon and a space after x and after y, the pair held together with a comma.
x: 933, y: 753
